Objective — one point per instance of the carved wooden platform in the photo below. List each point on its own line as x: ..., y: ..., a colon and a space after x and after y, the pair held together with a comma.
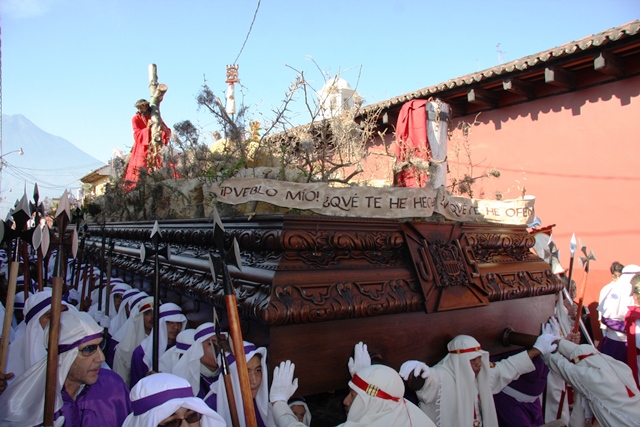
x: 311, y: 287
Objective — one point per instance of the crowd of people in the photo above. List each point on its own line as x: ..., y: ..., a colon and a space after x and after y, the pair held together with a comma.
x: 105, y: 373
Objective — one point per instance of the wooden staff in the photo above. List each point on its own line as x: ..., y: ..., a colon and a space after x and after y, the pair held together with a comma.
x: 101, y: 283
x: 62, y: 220
x: 11, y: 295
x: 228, y: 381
x: 235, y: 330
x: 586, y: 260
x: 108, y: 299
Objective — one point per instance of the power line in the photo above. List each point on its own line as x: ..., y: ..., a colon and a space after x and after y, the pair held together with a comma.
x: 250, y: 28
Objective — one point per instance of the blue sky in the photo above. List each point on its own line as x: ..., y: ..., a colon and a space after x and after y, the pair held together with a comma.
x: 76, y: 67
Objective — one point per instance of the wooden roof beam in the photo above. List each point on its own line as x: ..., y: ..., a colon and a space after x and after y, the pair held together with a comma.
x: 518, y: 87
x: 482, y: 97
x: 557, y: 76
x: 608, y: 63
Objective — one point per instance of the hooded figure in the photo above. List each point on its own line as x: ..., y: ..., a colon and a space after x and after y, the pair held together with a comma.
x: 141, y: 360
x: 170, y: 357
x: 157, y: 397
x: 456, y: 393
x: 29, y: 344
x: 259, y: 387
x: 380, y: 400
x: 299, y: 402
x: 122, y: 316
x: 133, y: 332
x: 603, y: 386
x: 101, y: 397
x: 190, y: 366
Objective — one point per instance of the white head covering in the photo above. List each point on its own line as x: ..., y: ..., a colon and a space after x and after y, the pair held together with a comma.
x: 132, y: 335
x: 28, y: 346
x: 188, y: 367
x: 157, y: 397
x: 262, y: 398
x: 118, y: 289
x: 22, y: 403
x: 121, y: 318
x: 184, y: 340
x: 306, y: 418
x: 383, y: 406
x: 609, y: 384
x: 169, y: 312
x: 462, y: 349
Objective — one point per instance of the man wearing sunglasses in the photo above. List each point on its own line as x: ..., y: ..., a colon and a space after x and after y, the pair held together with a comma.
x: 90, y: 396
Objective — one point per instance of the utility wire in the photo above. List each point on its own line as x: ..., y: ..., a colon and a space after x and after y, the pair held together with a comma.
x: 250, y: 28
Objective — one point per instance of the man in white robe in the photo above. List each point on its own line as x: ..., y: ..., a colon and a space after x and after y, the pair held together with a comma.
x: 604, y: 387
x: 459, y: 390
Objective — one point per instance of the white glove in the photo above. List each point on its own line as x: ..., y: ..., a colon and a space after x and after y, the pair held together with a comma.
x: 283, y: 385
x: 551, y: 327
x: 545, y: 343
x: 74, y: 295
x: 59, y: 422
x: 103, y: 320
x: 415, y: 367
x: 360, y: 360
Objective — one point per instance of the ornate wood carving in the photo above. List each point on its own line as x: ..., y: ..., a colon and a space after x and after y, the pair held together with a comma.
x: 304, y: 269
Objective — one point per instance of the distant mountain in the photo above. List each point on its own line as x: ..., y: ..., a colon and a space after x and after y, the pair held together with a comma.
x: 51, y: 161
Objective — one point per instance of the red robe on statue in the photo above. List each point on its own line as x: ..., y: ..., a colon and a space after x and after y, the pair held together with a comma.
x: 141, y: 138
x: 411, y: 141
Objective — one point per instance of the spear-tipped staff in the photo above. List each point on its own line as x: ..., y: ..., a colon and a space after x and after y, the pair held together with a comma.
x: 87, y: 277
x: 80, y: 259
x: 102, y: 250
x: 224, y: 365
x: 62, y: 221
x: 21, y: 217
x: 38, y: 210
x: 585, y: 261
x: 109, y: 264
x: 554, y: 256
x: 572, y: 248
x: 156, y: 251
x: 220, y: 260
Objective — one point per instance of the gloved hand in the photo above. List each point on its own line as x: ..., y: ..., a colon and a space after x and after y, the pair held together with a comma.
x: 360, y: 360
x: 415, y: 367
x: 551, y: 327
x: 59, y: 422
x: 546, y: 343
x: 74, y: 295
x: 103, y: 319
x: 283, y: 385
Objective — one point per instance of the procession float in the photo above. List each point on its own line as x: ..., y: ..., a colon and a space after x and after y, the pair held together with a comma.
x: 319, y: 261
x: 312, y: 239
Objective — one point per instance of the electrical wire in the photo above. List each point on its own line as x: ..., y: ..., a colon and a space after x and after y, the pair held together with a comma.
x: 250, y: 28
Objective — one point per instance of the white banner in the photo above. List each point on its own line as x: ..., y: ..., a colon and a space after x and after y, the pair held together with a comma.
x: 373, y: 202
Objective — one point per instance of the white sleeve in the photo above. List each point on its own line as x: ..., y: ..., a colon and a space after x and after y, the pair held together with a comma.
x: 510, y: 369
x: 284, y: 416
x: 431, y: 389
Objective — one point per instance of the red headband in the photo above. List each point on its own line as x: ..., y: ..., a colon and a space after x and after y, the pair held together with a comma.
x: 371, y: 389
x: 466, y: 350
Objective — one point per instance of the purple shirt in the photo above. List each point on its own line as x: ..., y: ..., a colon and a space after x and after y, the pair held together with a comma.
x: 139, y: 369
x: 103, y: 404
x: 512, y: 412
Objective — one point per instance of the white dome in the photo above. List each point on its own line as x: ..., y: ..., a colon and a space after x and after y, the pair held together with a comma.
x: 335, y: 83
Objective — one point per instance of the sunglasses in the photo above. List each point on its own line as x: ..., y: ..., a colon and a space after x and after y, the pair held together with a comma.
x: 91, y: 349
x: 191, y: 418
